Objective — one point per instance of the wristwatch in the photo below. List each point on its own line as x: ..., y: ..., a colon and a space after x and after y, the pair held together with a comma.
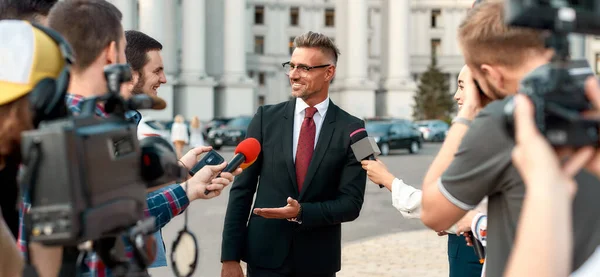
x: 298, y: 218
x: 462, y: 120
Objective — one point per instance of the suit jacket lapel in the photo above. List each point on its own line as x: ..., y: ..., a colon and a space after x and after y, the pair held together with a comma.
x: 288, y: 140
x: 322, y: 145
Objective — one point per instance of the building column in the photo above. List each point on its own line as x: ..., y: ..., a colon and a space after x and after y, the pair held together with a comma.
x: 196, y: 96
x: 453, y: 83
x: 358, y: 94
x: 577, y: 46
x: 235, y: 94
x: 399, y: 85
x: 157, y: 19
x: 128, y: 9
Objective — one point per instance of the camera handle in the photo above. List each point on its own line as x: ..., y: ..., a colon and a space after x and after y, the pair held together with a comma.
x: 111, y: 250
x: 27, y: 189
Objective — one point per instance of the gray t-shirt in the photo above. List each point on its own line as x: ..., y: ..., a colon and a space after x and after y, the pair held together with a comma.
x: 483, y: 167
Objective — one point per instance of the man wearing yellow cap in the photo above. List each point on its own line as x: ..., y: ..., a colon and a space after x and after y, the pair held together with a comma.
x: 27, y: 56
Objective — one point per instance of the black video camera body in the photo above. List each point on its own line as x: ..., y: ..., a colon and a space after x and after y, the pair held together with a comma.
x: 557, y: 89
x: 86, y: 176
x: 558, y: 98
x: 88, y: 183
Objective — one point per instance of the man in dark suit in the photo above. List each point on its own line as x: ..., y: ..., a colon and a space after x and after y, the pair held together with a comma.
x: 310, y: 181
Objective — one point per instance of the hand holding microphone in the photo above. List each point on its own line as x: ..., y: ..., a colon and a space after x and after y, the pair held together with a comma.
x: 246, y: 154
x: 204, y: 180
x: 363, y: 146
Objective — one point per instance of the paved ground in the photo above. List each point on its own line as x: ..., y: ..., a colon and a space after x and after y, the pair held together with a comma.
x: 379, y: 243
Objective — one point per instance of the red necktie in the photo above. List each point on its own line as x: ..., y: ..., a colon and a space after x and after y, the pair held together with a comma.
x: 306, y: 145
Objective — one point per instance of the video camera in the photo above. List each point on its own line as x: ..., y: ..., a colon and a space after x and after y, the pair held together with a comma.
x: 557, y: 89
x: 87, y: 176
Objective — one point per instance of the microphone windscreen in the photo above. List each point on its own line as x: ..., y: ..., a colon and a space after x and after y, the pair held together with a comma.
x: 158, y: 103
x: 357, y: 132
x: 250, y: 148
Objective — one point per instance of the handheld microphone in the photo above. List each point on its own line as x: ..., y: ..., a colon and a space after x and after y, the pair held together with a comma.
x: 478, y: 248
x: 363, y: 146
x: 246, y: 154
x: 143, y: 101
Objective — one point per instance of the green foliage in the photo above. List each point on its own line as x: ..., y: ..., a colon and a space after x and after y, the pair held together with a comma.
x: 433, y: 100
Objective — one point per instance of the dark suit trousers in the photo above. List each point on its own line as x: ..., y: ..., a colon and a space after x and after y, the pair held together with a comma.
x: 286, y: 270
x: 462, y: 258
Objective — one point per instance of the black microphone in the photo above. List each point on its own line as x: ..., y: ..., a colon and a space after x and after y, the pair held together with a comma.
x: 143, y: 101
x: 478, y: 247
x: 363, y: 146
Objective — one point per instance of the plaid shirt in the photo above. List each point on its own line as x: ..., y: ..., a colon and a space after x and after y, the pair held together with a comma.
x: 163, y: 205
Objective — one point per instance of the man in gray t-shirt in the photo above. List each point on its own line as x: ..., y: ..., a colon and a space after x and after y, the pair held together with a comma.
x: 482, y: 166
x: 475, y: 159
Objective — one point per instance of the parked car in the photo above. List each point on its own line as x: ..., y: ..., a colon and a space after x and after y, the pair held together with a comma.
x: 394, y: 134
x: 215, y: 123
x: 229, y: 135
x: 433, y: 130
x: 148, y: 125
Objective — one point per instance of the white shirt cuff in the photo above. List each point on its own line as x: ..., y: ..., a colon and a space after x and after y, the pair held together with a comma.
x: 406, y: 199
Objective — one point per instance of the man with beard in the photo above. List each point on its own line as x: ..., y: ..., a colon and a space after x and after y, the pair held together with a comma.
x: 143, y: 55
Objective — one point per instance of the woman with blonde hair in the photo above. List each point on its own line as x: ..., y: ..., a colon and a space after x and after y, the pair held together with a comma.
x: 179, y: 134
x: 196, y: 138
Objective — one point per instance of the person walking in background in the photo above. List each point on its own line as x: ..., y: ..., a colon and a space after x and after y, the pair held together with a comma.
x: 196, y: 138
x: 179, y: 134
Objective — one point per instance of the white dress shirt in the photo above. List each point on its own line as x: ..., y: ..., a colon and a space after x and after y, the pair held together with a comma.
x: 299, y: 118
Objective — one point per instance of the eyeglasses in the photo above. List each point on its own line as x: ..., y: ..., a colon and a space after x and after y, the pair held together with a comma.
x: 302, y: 69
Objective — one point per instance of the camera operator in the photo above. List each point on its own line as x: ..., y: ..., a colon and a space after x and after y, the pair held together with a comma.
x: 19, y: 77
x: 499, y: 57
x: 548, y: 202
x: 34, y: 11
x: 143, y: 55
x: 94, y: 30
x: 407, y: 200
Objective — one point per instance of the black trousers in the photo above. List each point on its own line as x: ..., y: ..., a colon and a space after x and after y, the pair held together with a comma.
x: 286, y: 270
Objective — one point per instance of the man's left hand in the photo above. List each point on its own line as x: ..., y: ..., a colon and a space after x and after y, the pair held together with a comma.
x: 289, y: 211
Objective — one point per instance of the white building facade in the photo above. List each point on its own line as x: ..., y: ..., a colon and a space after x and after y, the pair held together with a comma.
x: 223, y: 57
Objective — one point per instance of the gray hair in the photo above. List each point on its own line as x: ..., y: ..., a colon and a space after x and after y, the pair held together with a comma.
x: 318, y: 40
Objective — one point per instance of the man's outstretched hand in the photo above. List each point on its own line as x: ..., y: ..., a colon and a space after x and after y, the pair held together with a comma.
x: 289, y: 211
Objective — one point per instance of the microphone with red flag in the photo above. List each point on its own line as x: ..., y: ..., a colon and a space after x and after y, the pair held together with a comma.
x: 246, y: 154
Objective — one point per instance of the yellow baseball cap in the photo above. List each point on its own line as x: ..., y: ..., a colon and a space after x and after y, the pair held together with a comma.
x: 27, y: 55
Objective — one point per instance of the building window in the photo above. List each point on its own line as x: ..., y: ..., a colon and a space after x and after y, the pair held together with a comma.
x: 261, y: 100
x: 261, y: 78
x: 435, y: 47
x: 294, y: 16
x: 330, y: 17
x: 251, y: 74
x: 291, y: 45
x: 259, y: 15
x: 259, y: 44
x: 435, y: 17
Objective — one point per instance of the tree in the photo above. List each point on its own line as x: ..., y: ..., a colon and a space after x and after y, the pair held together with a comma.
x: 433, y: 100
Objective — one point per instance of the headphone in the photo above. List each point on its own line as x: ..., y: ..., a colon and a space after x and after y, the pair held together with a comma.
x: 47, y: 98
